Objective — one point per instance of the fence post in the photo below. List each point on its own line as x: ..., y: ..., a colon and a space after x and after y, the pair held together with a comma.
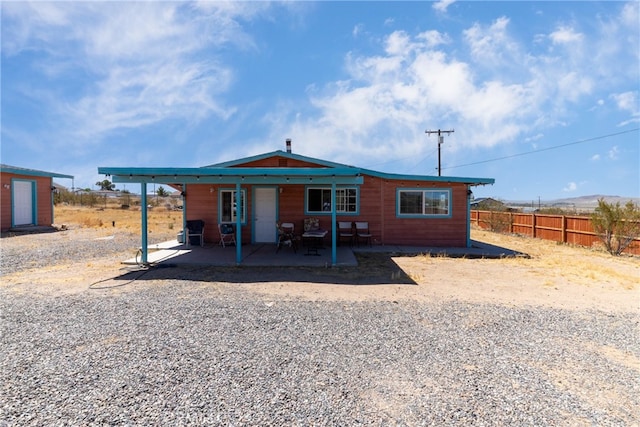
x: 533, y: 225
x: 564, y: 229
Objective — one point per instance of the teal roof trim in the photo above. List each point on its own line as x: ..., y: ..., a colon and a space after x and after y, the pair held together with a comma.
x: 230, y: 175
x: 231, y: 170
x: 32, y: 172
x: 456, y: 179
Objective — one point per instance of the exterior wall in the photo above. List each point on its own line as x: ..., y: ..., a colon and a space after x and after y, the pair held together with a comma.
x: 442, y: 232
x: 44, y: 208
x: 378, y: 202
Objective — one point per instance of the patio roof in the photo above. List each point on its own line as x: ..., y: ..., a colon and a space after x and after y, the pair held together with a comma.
x: 233, y: 175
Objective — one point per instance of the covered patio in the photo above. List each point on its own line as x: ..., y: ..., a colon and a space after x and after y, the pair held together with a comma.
x: 237, y: 177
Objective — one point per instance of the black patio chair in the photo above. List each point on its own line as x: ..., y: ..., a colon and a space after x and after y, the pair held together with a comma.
x: 195, y: 228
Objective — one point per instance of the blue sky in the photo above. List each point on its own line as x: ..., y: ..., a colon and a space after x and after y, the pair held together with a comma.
x: 543, y: 96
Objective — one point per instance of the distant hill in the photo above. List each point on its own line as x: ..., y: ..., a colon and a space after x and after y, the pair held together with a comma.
x: 593, y: 200
x: 582, y: 202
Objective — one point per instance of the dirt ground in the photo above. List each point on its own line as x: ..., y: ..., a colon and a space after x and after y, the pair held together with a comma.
x: 555, y: 275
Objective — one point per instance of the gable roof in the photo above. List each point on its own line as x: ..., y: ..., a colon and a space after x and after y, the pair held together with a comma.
x: 31, y: 172
x: 328, y: 164
x: 232, y: 171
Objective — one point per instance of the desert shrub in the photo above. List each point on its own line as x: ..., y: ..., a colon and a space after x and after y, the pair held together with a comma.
x: 617, y: 226
x: 500, y: 221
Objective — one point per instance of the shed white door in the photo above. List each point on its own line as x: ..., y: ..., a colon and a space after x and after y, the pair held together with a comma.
x: 22, y: 202
x: 264, y: 220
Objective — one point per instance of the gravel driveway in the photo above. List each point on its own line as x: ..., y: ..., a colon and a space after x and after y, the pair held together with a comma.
x: 201, y: 352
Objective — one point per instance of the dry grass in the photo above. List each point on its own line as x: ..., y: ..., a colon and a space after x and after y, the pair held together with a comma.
x: 552, y: 261
x: 162, y: 223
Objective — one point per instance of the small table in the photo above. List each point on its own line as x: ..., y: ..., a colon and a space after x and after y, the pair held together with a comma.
x: 315, y: 239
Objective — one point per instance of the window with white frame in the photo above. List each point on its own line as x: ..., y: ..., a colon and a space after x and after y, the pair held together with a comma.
x: 227, y: 205
x: 319, y: 200
x: 417, y: 202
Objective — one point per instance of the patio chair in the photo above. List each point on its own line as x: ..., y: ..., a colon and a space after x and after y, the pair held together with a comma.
x: 362, y: 232
x: 286, y: 236
x: 195, y: 228
x: 227, y: 234
x: 345, y: 232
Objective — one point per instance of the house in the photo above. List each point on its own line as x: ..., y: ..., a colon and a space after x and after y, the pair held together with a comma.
x: 488, y: 204
x: 255, y: 193
x: 26, y: 197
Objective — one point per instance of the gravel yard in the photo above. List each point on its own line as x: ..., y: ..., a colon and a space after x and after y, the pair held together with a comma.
x: 193, y: 349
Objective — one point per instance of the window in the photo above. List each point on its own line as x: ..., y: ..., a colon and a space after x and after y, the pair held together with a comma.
x: 319, y: 200
x: 424, y: 202
x: 228, y: 205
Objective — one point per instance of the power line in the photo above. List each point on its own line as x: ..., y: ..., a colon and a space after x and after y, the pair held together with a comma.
x: 582, y: 141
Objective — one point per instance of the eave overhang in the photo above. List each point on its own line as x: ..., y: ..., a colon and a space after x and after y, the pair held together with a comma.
x: 234, y: 175
x: 32, y: 172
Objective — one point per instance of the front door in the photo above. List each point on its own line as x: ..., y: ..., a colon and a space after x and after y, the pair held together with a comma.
x: 264, y: 220
x: 23, y: 203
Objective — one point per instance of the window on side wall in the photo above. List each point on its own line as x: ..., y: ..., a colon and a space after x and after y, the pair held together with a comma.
x: 319, y: 200
x: 227, y: 205
x: 424, y: 203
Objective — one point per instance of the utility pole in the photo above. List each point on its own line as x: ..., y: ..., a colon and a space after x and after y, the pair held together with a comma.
x: 440, y: 142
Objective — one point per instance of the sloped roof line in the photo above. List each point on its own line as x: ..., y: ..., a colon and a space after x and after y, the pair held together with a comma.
x: 33, y: 172
x: 279, y: 153
x: 371, y: 172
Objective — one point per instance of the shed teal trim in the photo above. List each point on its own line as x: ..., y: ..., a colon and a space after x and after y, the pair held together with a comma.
x: 32, y: 172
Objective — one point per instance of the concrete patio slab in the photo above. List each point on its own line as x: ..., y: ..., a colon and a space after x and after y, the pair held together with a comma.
x: 266, y: 255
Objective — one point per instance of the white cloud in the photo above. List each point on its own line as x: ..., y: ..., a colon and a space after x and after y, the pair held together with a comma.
x: 434, y: 38
x: 613, y: 153
x: 571, y: 187
x: 595, y: 157
x: 357, y: 30
x: 492, y: 46
x: 628, y: 102
x: 565, y: 35
x: 535, y: 137
x: 442, y: 5
x: 142, y: 58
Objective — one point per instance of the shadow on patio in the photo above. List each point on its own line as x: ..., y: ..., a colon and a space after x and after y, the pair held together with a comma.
x: 261, y: 263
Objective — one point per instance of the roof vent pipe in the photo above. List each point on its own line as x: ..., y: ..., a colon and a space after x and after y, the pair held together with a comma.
x: 288, y: 145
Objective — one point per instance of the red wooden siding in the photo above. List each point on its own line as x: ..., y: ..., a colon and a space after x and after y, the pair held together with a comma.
x: 451, y: 232
x: 43, y: 199
x: 279, y: 161
x: 377, y: 206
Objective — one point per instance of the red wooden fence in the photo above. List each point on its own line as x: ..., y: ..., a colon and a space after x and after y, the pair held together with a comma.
x: 575, y: 230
